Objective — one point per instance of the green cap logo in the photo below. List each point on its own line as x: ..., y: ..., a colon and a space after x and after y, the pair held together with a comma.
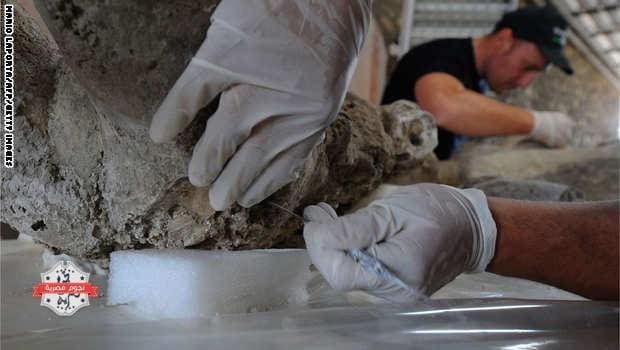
x: 559, y: 36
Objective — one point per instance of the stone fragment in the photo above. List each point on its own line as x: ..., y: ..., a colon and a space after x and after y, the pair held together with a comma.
x: 594, y: 171
x: 88, y: 180
x: 535, y: 190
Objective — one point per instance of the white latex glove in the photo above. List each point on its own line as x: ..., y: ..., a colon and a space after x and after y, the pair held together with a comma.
x: 553, y: 129
x: 426, y: 234
x: 282, y: 68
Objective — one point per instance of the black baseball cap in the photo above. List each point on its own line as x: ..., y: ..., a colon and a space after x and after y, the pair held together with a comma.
x: 542, y: 25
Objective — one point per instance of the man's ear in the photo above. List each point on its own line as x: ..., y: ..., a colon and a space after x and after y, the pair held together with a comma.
x: 504, y: 40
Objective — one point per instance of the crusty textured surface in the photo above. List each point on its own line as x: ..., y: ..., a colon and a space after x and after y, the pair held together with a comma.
x: 88, y: 180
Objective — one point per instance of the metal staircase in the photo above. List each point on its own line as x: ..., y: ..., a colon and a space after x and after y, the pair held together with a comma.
x: 595, y: 25
x: 425, y: 20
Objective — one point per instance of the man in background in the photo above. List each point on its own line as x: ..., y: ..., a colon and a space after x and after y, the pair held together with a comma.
x: 448, y: 77
x: 282, y: 69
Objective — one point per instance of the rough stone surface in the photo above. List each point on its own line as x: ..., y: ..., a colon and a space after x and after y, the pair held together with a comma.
x: 124, y: 52
x: 88, y: 180
x: 598, y: 178
x: 595, y: 171
x: 529, y: 190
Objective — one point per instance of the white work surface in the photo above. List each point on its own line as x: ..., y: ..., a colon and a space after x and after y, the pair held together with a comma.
x: 25, y: 323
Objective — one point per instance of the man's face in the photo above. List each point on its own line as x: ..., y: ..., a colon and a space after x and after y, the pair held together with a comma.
x: 515, y: 66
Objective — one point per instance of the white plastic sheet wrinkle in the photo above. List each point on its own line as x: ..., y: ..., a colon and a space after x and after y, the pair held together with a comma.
x: 437, y: 324
x: 328, y: 321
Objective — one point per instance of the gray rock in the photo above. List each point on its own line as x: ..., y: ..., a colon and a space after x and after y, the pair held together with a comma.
x: 127, y: 54
x: 592, y: 171
x: 88, y: 180
x: 534, y: 190
x: 598, y: 179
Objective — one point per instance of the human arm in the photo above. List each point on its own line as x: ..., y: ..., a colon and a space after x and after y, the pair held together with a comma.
x: 467, y: 112
x: 427, y: 234
x: 282, y: 69
x: 573, y: 246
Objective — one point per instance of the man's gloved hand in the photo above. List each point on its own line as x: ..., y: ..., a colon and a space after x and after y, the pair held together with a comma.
x: 426, y: 234
x: 282, y: 68
x: 553, y: 129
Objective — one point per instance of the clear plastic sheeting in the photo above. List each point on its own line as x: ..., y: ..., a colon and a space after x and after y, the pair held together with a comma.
x: 445, y: 324
x: 328, y: 320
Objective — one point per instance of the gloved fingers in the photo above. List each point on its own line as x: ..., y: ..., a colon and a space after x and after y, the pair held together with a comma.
x: 317, y: 214
x: 336, y: 266
x: 559, y: 128
x: 226, y: 129
x: 321, y: 213
x: 566, y: 131
x: 411, y: 263
x: 360, y: 229
x: 345, y: 274
x: 285, y: 168
x: 554, y: 129
x: 398, y: 253
x: 268, y: 140
x: 194, y: 89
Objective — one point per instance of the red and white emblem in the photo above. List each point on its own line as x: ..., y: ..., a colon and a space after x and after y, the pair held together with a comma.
x: 64, y: 288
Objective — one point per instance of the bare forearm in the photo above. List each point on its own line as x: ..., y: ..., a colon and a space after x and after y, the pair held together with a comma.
x: 472, y: 114
x: 466, y: 112
x: 573, y: 246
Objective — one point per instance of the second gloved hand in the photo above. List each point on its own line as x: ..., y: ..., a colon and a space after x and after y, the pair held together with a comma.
x: 553, y: 129
x: 282, y: 68
x: 426, y: 234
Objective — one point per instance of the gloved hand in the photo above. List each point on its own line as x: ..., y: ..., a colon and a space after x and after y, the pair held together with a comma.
x: 426, y: 234
x: 282, y: 68
x: 553, y: 129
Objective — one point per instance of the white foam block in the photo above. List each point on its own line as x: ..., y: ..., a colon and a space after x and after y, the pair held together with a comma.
x: 179, y: 283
